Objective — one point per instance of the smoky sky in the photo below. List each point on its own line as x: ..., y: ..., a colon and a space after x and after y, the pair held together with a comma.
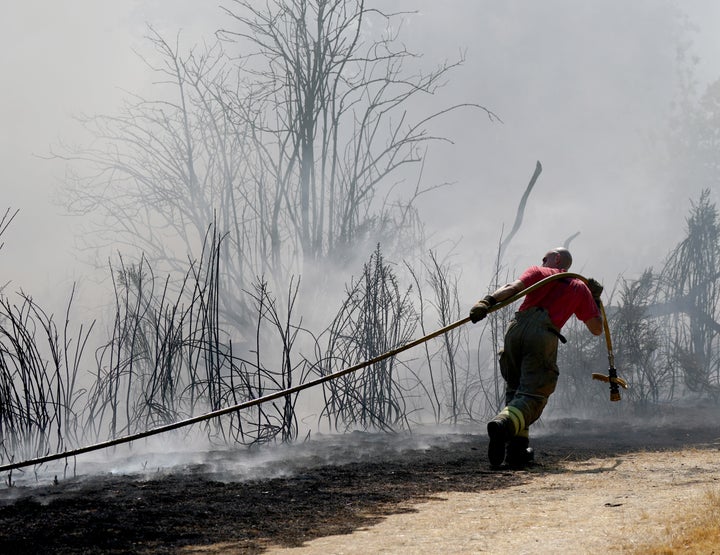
x: 584, y: 87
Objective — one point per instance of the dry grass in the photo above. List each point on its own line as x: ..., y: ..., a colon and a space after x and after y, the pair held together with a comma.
x: 695, y: 529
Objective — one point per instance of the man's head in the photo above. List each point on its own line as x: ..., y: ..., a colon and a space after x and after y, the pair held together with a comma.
x: 559, y: 258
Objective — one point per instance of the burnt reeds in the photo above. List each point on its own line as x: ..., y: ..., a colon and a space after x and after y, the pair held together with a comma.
x: 40, y: 401
x: 172, y: 354
x: 375, y: 317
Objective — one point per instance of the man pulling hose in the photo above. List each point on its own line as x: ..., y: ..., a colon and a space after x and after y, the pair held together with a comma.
x: 528, y: 360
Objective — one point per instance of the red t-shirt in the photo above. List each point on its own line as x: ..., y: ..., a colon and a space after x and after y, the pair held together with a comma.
x: 562, y: 297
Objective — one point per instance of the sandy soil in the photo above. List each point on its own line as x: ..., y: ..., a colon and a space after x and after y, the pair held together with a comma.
x: 599, y: 491
x: 600, y: 505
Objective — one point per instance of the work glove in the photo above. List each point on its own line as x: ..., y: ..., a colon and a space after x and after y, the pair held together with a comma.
x: 481, y: 308
x: 595, y: 289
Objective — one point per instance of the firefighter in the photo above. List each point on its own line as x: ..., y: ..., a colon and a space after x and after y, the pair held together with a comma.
x: 528, y: 360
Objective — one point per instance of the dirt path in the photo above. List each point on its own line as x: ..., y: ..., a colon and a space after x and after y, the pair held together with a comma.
x: 594, y: 491
x: 605, y: 505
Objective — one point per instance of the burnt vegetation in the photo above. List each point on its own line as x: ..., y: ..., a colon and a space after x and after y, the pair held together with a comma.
x: 268, y: 156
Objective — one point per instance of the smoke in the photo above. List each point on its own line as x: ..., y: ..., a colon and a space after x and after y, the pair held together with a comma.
x: 190, y: 452
x: 171, y: 453
x: 585, y: 88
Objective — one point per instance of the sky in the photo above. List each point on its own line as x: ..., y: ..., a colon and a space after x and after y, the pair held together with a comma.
x: 582, y: 87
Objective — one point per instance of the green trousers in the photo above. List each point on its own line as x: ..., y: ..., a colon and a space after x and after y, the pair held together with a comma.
x: 528, y: 363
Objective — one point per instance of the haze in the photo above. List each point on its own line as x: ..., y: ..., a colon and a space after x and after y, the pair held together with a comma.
x: 584, y: 87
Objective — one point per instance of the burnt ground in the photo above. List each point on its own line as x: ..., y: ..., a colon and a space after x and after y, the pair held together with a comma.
x: 191, y: 506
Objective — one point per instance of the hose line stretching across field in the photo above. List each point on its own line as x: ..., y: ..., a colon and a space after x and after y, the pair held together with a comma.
x: 285, y: 392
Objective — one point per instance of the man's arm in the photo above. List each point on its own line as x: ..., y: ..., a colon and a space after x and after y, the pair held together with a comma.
x: 481, y: 308
x: 595, y: 325
x: 508, y: 290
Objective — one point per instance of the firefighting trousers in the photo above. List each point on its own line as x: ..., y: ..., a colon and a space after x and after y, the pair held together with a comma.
x: 528, y: 364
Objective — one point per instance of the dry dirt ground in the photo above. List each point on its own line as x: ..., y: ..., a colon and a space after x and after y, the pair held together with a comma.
x: 592, y: 491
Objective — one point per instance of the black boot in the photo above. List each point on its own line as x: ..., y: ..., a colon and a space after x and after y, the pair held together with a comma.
x: 499, y: 434
x: 519, y: 454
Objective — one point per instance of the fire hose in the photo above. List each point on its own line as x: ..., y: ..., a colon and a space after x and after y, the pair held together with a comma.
x: 612, y: 378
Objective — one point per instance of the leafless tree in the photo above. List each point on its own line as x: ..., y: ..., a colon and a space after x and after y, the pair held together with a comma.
x: 690, y: 287
x: 638, y: 342
x: 299, y: 147
x: 162, y: 170
x: 332, y: 122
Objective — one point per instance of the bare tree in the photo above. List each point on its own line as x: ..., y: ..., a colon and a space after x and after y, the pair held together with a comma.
x: 298, y: 147
x: 334, y: 127
x: 690, y: 285
x: 162, y: 170
x: 639, y: 340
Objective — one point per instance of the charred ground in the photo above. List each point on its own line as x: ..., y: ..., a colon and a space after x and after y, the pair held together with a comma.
x: 195, y: 508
